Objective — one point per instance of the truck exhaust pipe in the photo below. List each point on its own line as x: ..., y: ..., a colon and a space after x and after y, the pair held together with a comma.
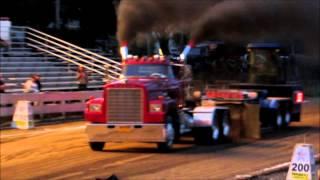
x: 185, y: 52
x: 124, y: 50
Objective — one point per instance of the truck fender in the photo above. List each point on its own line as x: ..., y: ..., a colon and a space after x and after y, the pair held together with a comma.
x: 270, y: 104
x: 205, y: 116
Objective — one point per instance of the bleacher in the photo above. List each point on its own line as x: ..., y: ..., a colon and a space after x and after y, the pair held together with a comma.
x: 57, y: 69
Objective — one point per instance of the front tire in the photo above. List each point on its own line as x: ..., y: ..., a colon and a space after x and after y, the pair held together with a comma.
x: 96, y: 146
x: 170, y: 136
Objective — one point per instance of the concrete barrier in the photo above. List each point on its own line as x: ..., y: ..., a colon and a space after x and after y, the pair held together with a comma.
x: 47, y: 102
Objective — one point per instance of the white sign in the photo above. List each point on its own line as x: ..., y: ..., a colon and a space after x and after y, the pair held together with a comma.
x: 23, y: 115
x: 5, y: 26
x: 303, y: 165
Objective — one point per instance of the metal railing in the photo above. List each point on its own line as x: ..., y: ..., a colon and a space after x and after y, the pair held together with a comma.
x: 70, y: 52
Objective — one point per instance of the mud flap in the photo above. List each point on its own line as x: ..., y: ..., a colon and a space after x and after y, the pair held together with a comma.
x: 251, y: 121
x: 245, y: 122
x: 235, y: 118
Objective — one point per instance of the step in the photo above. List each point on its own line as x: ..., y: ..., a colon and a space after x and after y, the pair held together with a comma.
x: 43, y: 79
x: 18, y: 44
x: 22, y: 53
x: 20, y: 49
x: 64, y: 88
x: 30, y: 64
x: 18, y: 38
x: 47, y: 84
x: 33, y: 69
x: 42, y: 74
x: 28, y: 59
x: 51, y: 79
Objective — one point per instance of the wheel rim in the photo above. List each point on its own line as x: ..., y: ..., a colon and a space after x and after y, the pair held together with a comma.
x: 287, y: 117
x: 215, y: 133
x: 170, y: 133
x: 226, y: 129
x: 279, y: 120
x: 225, y: 125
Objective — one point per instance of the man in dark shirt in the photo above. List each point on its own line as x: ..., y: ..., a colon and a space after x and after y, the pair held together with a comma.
x: 37, y: 81
x: 2, y: 86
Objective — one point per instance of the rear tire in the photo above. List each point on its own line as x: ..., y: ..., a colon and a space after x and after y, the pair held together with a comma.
x: 287, y: 117
x: 96, y: 146
x: 207, y: 135
x: 225, y: 126
x: 220, y: 131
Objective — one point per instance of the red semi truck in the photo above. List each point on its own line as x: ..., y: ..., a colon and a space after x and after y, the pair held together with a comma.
x: 141, y: 106
x: 148, y: 104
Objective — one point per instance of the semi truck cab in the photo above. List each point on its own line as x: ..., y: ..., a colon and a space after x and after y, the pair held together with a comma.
x: 141, y: 106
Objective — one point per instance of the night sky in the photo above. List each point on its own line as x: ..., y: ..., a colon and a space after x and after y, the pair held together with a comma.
x: 97, y: 17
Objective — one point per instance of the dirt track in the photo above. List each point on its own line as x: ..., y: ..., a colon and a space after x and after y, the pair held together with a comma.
x: 61, y: 152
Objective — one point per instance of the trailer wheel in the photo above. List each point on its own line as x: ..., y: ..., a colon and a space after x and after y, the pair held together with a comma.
x: 286, y: 119
x: 278, y: 120
x: 96, y: 146
x: 226, y: 129
x: 170, y: 136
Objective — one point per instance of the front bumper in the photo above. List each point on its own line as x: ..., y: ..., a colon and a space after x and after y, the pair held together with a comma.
x: 126, y: 132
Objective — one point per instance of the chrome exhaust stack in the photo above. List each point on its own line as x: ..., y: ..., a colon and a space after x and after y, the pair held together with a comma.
x: 124, y: 50
x: 186, y: 50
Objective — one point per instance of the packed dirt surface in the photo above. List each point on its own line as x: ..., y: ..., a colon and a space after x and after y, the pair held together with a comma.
x: 62, y: 152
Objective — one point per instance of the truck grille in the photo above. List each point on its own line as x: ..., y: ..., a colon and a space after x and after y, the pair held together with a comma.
x: 124, y: 105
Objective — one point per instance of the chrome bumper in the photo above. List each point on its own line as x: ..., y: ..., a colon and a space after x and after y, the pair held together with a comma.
x: 126, y: 132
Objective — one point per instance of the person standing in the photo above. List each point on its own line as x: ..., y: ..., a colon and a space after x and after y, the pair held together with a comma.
x: 30, y: 85
x: 37, y: 81
x: 2, y: 85
x: 82, y: 78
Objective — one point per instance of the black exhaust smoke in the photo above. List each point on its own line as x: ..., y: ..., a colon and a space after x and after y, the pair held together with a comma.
x: 228, y: 20
x: 145, y: 16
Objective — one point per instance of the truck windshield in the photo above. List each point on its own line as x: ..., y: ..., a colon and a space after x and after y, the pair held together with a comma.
x: 263, y: 66
x: 148, y: 70
x: 257, y: 66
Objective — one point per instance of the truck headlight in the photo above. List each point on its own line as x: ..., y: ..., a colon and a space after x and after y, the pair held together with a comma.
x: 95, y: 108
x: 155, y: 108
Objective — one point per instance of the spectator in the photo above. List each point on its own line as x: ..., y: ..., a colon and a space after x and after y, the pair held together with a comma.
x: 82, y: 78
x: 30, y: 85
x: 37, y: 77
x: 2, y: 85
x: 4, y: 46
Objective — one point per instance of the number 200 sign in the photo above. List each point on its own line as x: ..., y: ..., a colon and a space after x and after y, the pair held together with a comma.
x: 300, y: 167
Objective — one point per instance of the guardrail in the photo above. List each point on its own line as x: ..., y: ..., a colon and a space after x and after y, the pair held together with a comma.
x: 47, y: 102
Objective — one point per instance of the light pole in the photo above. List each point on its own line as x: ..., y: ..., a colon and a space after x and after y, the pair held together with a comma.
x: 57, y: 14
